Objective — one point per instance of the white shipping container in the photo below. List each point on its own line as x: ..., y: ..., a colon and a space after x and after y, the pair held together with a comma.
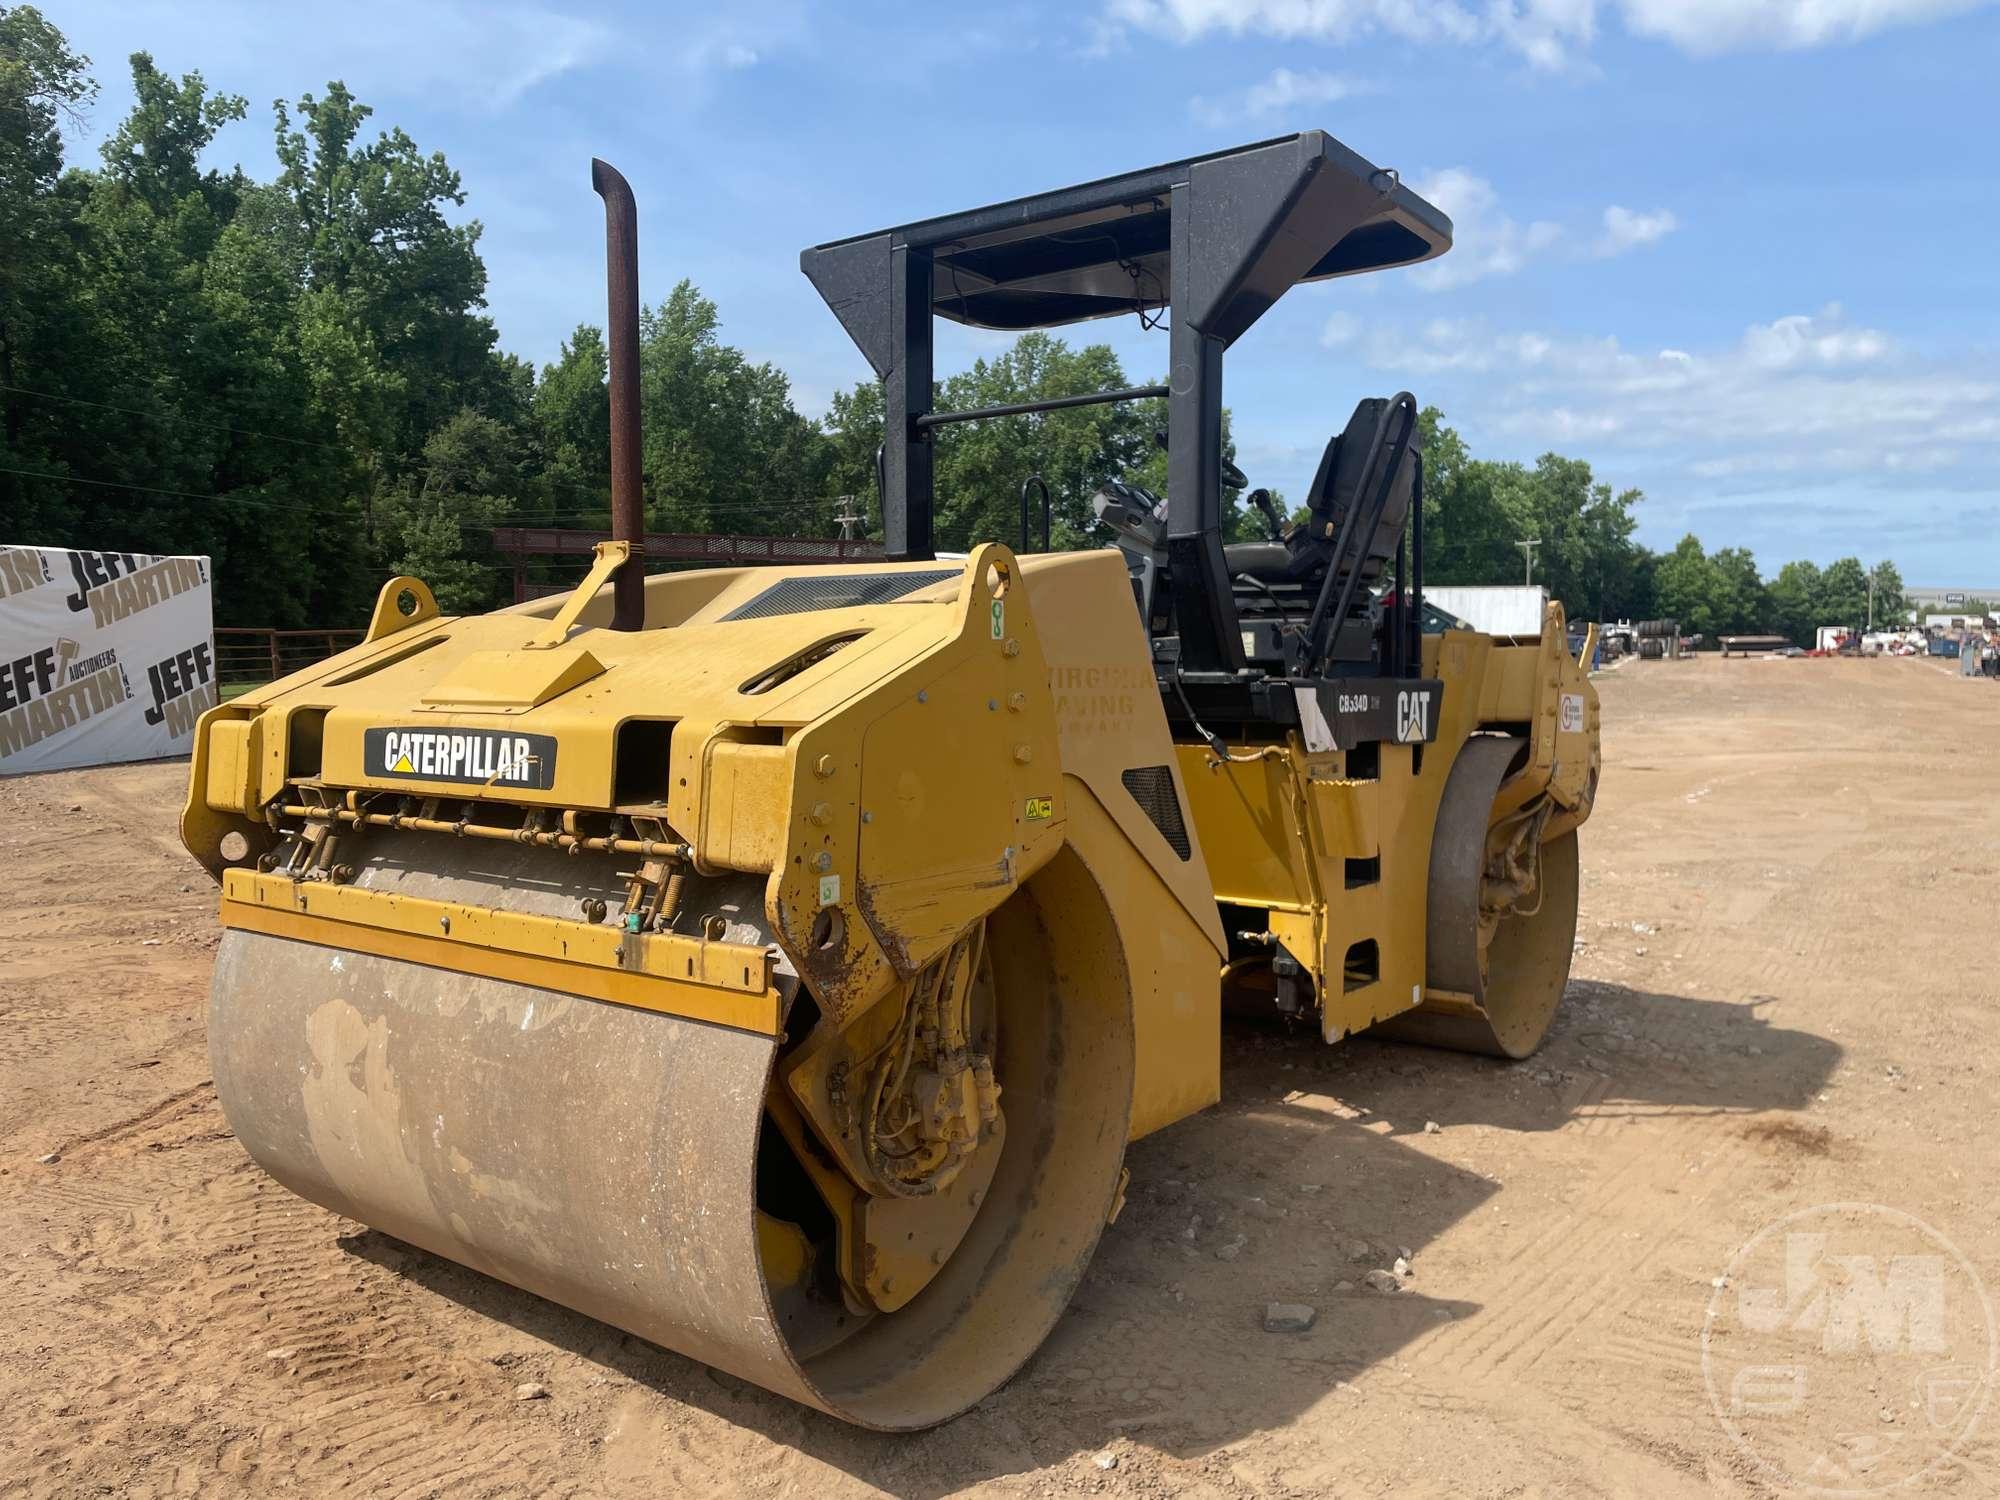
x: 1496, y: 609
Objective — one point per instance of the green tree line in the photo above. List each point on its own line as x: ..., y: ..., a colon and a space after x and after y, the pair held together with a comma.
x: 1478, y: 511
x: 298, y: 378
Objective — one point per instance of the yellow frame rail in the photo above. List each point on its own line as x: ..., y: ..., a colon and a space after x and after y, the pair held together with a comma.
x: 728, y: 984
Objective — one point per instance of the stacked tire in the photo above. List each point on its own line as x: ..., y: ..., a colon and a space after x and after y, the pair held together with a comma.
x: 1658, y: 639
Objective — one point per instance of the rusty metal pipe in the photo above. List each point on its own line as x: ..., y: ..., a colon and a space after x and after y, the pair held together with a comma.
x: 628, y: 504
x: 651, y: 848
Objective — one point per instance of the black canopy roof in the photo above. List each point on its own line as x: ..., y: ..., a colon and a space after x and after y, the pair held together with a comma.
x: 1217, y: 238
x: 1279, y: 212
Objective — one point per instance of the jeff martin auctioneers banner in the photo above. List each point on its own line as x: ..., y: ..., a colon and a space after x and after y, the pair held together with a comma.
x: 104, y: 656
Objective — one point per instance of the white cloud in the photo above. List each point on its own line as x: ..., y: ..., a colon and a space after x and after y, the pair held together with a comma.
x: 1549, y: 34
x: 1341, y: 329
x: 1806, y: 397
x: 479, y: 57
x: 718, y: 50
x: 1799, y: 340
x: 492, y: 56
x: 1284, y: 90
x: 522, y: 46
x: 1625, y: 230
x: 1542, y: 31
x: 1485, y: 241
x: 1703, y: 27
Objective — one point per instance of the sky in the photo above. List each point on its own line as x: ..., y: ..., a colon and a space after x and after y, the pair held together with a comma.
x: 1739, y: 254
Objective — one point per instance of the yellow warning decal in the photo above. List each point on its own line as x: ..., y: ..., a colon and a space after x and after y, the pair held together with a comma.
x: 1041, y: 809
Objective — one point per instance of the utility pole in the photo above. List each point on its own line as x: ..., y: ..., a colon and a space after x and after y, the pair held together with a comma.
x: 1871, y: 601
x: 1528, y: 551
x: 847, y: 520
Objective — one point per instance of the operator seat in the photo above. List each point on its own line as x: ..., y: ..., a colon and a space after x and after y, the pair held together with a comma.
x: 1339, y: 485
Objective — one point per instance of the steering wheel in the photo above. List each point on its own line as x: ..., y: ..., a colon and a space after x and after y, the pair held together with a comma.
x: 1233, y: 478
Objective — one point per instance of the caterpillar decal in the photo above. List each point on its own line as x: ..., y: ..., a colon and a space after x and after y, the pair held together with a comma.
x: 468, y: 757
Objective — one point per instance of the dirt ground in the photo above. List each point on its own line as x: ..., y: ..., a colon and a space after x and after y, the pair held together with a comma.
x: 1784, y: 995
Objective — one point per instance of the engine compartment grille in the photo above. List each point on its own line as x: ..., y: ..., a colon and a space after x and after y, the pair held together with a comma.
x: 1152, y: 787
x: 801, y: 596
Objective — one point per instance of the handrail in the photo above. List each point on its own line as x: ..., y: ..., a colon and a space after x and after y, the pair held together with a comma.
x: 932, y: 419
x: 1048, y: 511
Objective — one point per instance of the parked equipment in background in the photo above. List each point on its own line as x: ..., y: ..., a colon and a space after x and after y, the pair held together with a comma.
x: 775, y: 963
x: 1749, y: 645
x: 1659, y: 640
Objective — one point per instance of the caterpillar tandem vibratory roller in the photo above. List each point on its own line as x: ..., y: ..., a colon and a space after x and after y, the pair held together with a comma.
x: 776, y: 962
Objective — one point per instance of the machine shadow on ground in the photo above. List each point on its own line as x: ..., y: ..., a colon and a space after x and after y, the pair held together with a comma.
x: 1613, y: 1050
x: 1292, y: 1189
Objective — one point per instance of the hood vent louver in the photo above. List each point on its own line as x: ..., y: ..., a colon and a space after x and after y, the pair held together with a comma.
x: 800, y: 596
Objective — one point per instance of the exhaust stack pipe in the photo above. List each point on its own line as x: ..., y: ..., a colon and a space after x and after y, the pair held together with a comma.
x: 628, y: 503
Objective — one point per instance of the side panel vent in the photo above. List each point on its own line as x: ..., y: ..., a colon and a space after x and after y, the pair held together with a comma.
x: 1152, y: 787
x: 305, y: 737
x: 793, y: 665
x: 800, y: 596
x: 370, y: 668
x: 640, y: 758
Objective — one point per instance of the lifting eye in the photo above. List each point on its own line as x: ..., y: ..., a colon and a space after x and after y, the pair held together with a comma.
x: 827, y: 931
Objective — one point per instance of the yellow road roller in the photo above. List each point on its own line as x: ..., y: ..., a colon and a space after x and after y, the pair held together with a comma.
x: 776, y: 962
